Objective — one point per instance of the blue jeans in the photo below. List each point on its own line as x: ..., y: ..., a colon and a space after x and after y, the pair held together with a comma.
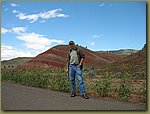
x: 76, y: 71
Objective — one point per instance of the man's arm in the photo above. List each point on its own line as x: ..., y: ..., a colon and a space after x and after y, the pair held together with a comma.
x: 82, y: 56
x: 67, y: 65
x: 67, y: 68
x: 81, y: 61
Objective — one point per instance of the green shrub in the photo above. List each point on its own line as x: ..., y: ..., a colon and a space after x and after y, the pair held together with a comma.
x: 54, y: 79
x: 103, y: 86
x: 125, y: 86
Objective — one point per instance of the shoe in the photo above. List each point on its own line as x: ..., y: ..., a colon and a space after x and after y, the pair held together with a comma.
x: 85, y: 96
x: 73, y: 94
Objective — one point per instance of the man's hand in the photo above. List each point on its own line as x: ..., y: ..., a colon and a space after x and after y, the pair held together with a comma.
x: 81, y: 61
x: 78, y: 65
x: 67, y: 70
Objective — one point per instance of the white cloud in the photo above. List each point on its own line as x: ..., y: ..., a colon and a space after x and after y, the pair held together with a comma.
x: 14, y: 5
x: 9, y: 52
x: 44, y: 16
x: 4, y: 31
x: 92, y: 43
x: 15, y: 11
x: 97, y: 35
x: 33, y: 44
x: 19, y: 30
x: 101, y: 5
x: 62, y: 15
x: 37, y: 42
x: 32, y: 18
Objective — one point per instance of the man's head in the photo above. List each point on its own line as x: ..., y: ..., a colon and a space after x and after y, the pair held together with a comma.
x: 71, y: 44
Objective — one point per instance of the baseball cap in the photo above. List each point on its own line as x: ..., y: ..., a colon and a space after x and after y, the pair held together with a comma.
x: 71, y: 42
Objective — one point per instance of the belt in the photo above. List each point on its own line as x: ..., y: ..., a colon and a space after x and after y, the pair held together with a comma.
x: 74, y: 64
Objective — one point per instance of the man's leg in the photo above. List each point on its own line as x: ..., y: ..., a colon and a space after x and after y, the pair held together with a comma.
x: 81, y: 83
x: 80, y: 80
x: 72, y: 79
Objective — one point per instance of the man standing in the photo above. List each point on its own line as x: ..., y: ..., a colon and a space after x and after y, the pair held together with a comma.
x: 74, y: 67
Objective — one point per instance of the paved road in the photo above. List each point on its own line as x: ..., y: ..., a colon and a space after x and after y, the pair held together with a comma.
x: 18, y: 97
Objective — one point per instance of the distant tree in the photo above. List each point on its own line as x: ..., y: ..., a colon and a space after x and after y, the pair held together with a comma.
x: 86, y: 47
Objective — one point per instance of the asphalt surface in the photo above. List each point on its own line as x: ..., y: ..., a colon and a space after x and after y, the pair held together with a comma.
x: 19, y: 97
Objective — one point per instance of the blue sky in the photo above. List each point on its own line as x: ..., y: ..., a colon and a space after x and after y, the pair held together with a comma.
x: 26, y: 30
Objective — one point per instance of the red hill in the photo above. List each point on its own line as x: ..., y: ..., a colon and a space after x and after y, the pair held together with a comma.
x: 55, y: 57
x: 132, y: 63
